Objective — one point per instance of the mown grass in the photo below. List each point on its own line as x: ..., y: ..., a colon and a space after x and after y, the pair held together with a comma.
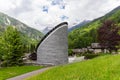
x: 100, y: 68
x: 9, y: 72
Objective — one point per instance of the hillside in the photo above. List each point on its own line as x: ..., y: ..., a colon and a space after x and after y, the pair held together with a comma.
x: 79, y: 25
x: 101, y: 68
x: 87, y: 34
x: 27, y: 31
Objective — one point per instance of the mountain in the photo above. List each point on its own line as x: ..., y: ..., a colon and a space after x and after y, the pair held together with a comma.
x: 79, y: 25
x: 31, y: 33
x: 46, y: 30
x: 87, y: 34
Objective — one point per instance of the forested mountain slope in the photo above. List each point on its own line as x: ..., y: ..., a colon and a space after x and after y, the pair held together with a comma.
x: 87, y: 34
x: 6, y: 20
x: 30, y: 37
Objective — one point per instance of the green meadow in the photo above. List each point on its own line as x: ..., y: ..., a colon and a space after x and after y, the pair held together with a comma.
x: 9, y: 72
x: 101, y: 68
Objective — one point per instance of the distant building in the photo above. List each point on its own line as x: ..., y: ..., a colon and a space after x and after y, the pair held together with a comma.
x: 77, y: 50
x: 94, y: 48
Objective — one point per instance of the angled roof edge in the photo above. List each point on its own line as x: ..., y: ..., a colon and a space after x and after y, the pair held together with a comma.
x: 63, y: 23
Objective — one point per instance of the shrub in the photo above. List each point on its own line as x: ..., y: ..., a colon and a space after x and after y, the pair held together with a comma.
x: 90, y: 56
x: 70, y: 52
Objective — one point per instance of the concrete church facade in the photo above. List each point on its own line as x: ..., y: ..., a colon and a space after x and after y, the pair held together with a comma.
x: 53, y: 48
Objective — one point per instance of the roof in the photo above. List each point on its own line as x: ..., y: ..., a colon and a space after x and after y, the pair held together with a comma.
x: 95, y: 45
x: 59, y: 25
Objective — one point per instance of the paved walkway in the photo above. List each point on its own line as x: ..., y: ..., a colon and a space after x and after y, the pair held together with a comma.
x: 22, y: 77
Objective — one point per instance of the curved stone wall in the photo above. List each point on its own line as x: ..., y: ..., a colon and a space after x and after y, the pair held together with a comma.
x: 53, y: 50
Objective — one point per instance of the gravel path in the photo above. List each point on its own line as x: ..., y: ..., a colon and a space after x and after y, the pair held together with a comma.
x: 22, y: 77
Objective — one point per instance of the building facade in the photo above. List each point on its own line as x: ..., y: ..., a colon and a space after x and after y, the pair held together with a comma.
x: 53, y: 48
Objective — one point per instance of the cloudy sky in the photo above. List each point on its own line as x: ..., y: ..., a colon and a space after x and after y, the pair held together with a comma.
x: 48, y: 13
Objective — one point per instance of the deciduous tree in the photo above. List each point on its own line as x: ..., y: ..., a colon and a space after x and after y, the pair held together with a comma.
x: 108, y: 35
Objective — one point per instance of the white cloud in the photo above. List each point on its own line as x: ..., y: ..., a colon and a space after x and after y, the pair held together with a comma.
x: 31, y: 11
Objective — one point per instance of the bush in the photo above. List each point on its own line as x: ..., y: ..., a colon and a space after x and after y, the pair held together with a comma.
x: 70, y: 52
x: 33, y: 56
x: 90, y: 56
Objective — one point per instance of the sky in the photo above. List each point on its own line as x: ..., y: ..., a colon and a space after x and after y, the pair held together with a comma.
x: 40, y: 14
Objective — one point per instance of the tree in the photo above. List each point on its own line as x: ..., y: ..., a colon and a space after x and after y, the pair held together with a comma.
x: 3, y: 48
x: 108, y: 35
x: 13, y: 45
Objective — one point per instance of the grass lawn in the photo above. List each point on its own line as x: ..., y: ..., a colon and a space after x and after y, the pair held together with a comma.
x: 9, y: 72
x: 101, y: 68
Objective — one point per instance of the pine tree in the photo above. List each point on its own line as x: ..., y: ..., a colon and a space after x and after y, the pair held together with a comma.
x: 13, y: 45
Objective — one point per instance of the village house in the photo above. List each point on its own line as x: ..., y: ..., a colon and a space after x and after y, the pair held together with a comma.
x: 94, y: 48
